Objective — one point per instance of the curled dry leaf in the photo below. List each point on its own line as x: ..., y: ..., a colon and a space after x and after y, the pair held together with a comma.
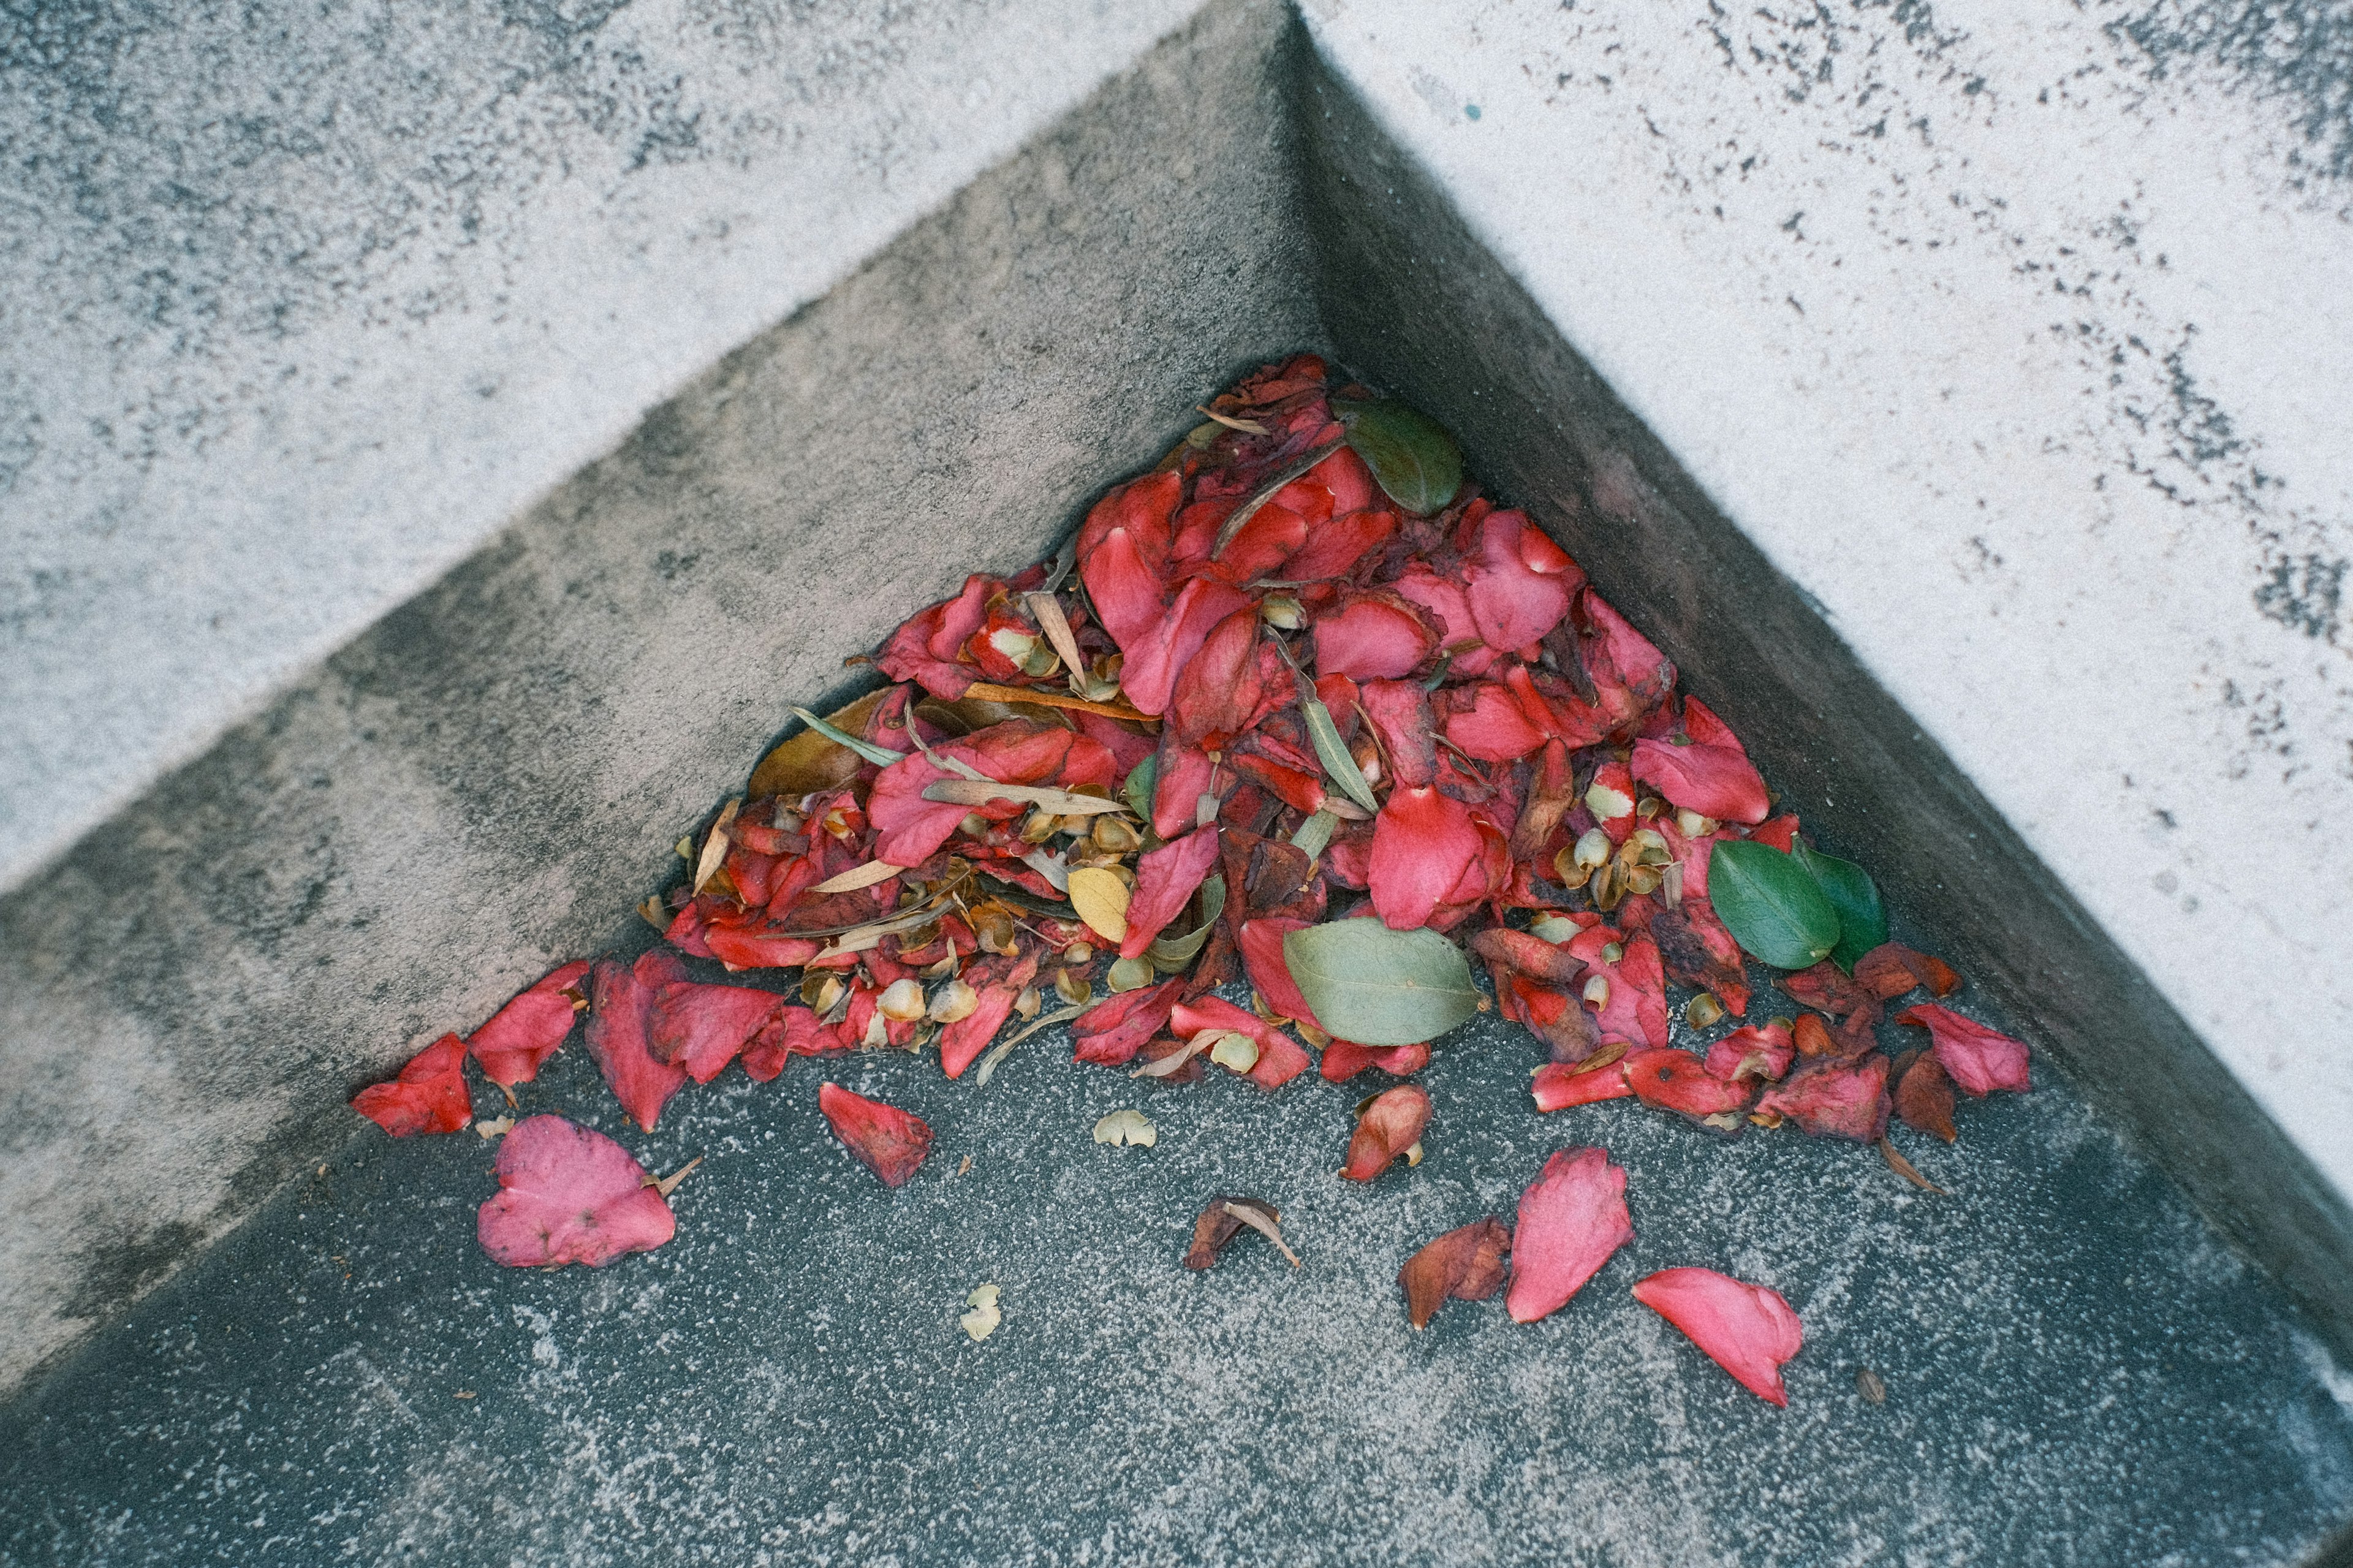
x: 567, y: 1195
x: 1464, y: 1265
x: 1224, y: 1219
x: 1903, y: 1167
x: 887, y: 1141
x: 981, y: 1321
x: 1130, y: 1129
x: 1745, y: 1328
x: 1924, y: 1094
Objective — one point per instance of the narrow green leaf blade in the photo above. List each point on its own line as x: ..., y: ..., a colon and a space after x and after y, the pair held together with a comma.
x: 1315, y: 835
x: 1380, y: 987
x: 1411, y: 455
x: 1770, y: 904
x: 1863, y: 923
x: 880, y: 756
x: 1333, y: 752
x: 1174, y: 952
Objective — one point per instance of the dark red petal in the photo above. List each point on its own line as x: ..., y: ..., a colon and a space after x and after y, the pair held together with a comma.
x: 429, y: 1095
x: 1923, y: 1095
x: 1464, y: 1264
x: 1747, y: 1330
x: 1980, y: 1059
x: 963, y: 1040
x: 793, y: 1031
x: 1334, y: 548
x: 1111, y: 1032
x: 1560, y: 1085
x: 702, y: 1028
x: 1300, y: 790
x: 1218, y: 688
x: 1571, y: 1220
x: 1680, y: 1081
x: 1752, y: 1052
x: 1344, y: 1059
x: 1398, y: 712
x: 1891, y: 969
x: 1164, y: 878
x: 1371, y: 638
x: 1714, y: 781
x: 886, y: 1139
x: 1423, y: 842
x: 1389, y: 1126
x: 567, y: 1195
x: 1834, y: 1099
x: 1159, y: 656
x: 528, y: 1030
x: 623, y: 999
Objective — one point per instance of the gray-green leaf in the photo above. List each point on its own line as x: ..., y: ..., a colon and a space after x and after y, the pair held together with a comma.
x: 1770, y: 904
x: 1863, y: 923
x: 880, y: 756
x: 1174, y: 952
x: 1380, y: 987
x: 1142, y: 780
x: 1411, y: 455
x: 1333, y: 752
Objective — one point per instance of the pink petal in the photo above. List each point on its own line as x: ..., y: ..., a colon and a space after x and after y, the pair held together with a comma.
x: 1123, y: 551
x: 1388, y: 1127
x: 528, y: 1030
x: 1560, y: 1085
x: 1373, y: 636
x: 1494, y: 728
x: 429, y: 1095
x: 624, y: 997
x: 1398, y: 712
x: 1520, y: 583
x: 1714, y: 781
x: 567, y: 1195
x: 1745, y: 1328
x: 1977, y: 1059
x: 1218, y: 688
x: 1280, y: 1057
x: 1423, y: 842
x: 759, y: 950
x: 702, y: 1028
x: 887, y: 1141
x: 909, y: 829
x: 1164, y: 878
x: 1159, y: 656
x: 793, y: 1031
x: 928, y: 648
x: 1334, y: 548
x: 963, y: 1041
x: 1679, y: 1082
x: 1752, y: 1052
x: 1571, y: 1220
x: 1835, y: 1099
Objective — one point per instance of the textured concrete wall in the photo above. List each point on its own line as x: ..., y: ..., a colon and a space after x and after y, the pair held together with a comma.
x: 486, y: 781
x: 2014, y: 336
x: 300, y: 303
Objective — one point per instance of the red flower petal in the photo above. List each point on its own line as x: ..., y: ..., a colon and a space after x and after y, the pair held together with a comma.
x: 1447, y: 603
x: 792, y: 1031
x: 1164, y: 878
x: 1560, y: 1085
x: 1752, y: 1052
x: 963, y: 1041
x: 1159, y: 656
x: 1122, y: 551
x: 1571, y: 1219
x: 528, y: 1030
x: 1334, y: 548
x: 1398, y: 712
x: 1923, y: 1095
x: 1745, y: 1328
x: 702, y: 1028
x: 1466, y: 1265
x: 1714, y: 781
x: 1218, y: 688
x: 429, y: 1095
x: 1891, y: 969
x: 1521, y: 583
x: 1389, y: 1126
x: 1635, y: 1010
x: 1344, y: 1059
x: 624, y: 997
x: 1679, y: 1082
x: 928, y: 648
x: 909, y: 829
x: 1834, y: 1099
x: 1494, y: 727
x: 1422, y: 844
x: 1299, y: 790
x: 759, y: 950
x: 1374, y: 636
x: 1280, y: 1057
x: 1111, y: 1032
x: 1781, y: 833
x: 886, y: 1139
x: 1696, y: 950
x: 567, y: 1195
x: 1980, y: 1059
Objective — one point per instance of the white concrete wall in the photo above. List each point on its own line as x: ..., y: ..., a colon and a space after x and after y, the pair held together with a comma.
x: 299, y: 304
x: 2015, y: 334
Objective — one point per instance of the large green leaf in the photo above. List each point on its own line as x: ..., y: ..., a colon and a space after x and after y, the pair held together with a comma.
x: 1410, y: 454
x: 1771, y: 904
x: 1863, y: 923
x: 1380, y: 987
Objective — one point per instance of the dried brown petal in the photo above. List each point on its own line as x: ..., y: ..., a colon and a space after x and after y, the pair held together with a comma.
x: 1464, y: 1265
x: 1223, y: 1220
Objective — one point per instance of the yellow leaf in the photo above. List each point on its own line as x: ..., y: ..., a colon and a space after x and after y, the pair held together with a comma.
x: 1101, y: 899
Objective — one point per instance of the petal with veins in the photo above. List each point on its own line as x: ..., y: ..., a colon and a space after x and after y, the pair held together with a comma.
x: 1571, y: 1220
x: 1747, y: 1330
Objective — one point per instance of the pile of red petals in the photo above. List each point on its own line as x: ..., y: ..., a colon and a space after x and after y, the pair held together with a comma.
x: 1256, y: 693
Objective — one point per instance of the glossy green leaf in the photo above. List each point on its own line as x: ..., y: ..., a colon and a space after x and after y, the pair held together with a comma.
x: 1380, y: 987
x: 1411, y: 455
x: 1174, y: 952
x: 1771, y: 904
x: 1863, y: 923
x: 1142, y: 780
x: 1333, y: 752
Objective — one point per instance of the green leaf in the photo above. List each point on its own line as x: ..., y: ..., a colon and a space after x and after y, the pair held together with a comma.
x: 1380, y: 987
x: 1333, y: 752
x: 1770, y: 904
x: 1142, y: 780
x: 1174, y: 952
x: 1315, y: 835
x: 1410, y: 454
x: 1862, y: 924
x: 880, y: 756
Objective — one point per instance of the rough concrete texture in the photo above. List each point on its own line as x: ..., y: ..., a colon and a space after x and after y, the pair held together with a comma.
x: 2014, y: 338
x: 300, y: 303
x: 474, y: 788
x: 2075, y: 1373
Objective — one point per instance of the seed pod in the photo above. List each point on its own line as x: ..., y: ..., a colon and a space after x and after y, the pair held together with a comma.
x: 1079, y: 952
x: 820, y: 989
x: 1609, y: 887
x: 1647, y: 809
x: 1039, y: 826
x: 952, y: 1002
x: 1612, y: 952
x: 1691, y: 825
x: 1567, y: 871
x: 1116, y: 835
x: 1029, y: 1002
x: 1283, y: 612
x: 1642, y: 880
x: 1592, y: 849
x: 901, y: 1001
x: 1235, y: 1051
x: 1554, y: 929
x: 1606, y: 803
x: 1597, y: 991
x: 1074, y: 987
x: 1129, y: 974
x: 1703, y: 1011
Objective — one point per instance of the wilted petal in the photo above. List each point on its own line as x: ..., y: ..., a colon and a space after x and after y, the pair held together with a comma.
x: 762, y: 949
x: 963, y: 1040
x: 909, y: 829
x: 1923, y: 1095
x: 1398, y: 712
x: 1571, y: 1220
x: 1714, y: 781
x: 1679, y: 1082
x: 528, y: 1030
x: 1159, y: 656
x: 617, y: 1042
x: 1281, y: 1058
x: 1164, y: 878
x: 702, y: 1028
x: 429, y: 1095
x: 1560, y: 1085
x: 791, y: 1031
x: 1344, y: 1059
x: 1891, y: 969
x: 887, y: 1141
x: 1111, y: 1032
x: 1494, y: 728
x: 1752, y: 1052
x: 1745, y: 1328
x: 1334, y: 548
x: 1372, y: 636
x: 928, y: 648
x: 567, y: 1195
x: 1835, y: 1099
x: 1464, y: 1264
x: 1423, y: 842
x: 1520, y: 583
x: 1296, y: 788
x: 1218, y: 688
x: 1389, y: 1126
x: 1698, y: 951
x: 1980, y: 1059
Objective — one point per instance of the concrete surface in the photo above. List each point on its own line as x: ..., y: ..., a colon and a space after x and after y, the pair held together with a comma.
x: 2014, y: 335
x: 2075, y: 1374
x: 301, y: 303
x: 474, y: 789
